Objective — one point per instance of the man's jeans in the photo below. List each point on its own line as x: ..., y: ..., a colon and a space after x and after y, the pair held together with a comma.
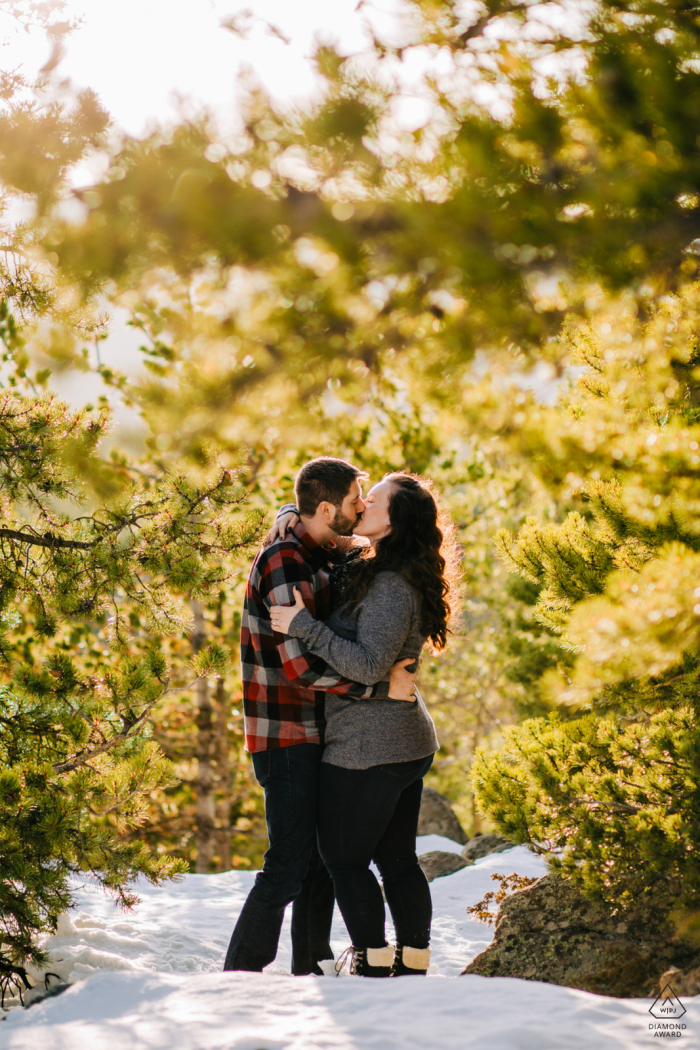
x: 292, y: 870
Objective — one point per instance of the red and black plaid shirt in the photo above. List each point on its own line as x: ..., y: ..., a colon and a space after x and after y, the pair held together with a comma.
x: 284, y: 684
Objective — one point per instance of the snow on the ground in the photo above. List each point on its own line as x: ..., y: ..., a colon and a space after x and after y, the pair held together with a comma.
x: 428, y: 843
x: 154, y: 983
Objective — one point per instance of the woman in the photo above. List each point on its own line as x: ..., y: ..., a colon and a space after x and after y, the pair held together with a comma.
x: 391, y: 597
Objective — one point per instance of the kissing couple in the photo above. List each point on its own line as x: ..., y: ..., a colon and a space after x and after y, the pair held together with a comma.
x: 338, y: 606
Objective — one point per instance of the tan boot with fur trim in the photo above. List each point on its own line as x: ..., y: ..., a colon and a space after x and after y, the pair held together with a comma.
x: 410, y: 962
x: 368, y: 962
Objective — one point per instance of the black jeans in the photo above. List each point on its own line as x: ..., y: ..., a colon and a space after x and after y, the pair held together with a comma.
x: 372, y: 815
x: 292, y: 870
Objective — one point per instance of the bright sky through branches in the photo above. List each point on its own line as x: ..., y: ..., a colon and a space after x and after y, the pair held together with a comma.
x: 139, y: 55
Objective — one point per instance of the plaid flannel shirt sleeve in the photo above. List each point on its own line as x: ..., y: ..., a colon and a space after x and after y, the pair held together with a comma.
x: 281, y: 574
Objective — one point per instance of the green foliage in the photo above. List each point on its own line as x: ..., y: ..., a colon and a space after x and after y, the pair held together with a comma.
x: 165, y: 526
x: 75, y: 742
x: 531, y: 648
x: 54, y: 788
x: 611, y: 793
x: 612, y: 803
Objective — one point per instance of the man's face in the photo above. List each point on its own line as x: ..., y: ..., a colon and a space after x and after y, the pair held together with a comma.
x: 349, y: 512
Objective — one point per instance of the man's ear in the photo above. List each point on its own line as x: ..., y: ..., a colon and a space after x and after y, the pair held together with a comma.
x: 328, y: 511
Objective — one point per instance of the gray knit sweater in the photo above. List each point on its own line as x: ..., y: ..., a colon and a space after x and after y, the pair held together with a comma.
x: 362, y: 642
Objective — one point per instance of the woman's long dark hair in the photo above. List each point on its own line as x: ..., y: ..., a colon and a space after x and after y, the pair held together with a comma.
x: 421, y: 547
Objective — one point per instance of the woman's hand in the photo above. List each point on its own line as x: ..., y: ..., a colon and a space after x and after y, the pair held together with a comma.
x: 281, y: 526
x: 282, y: 615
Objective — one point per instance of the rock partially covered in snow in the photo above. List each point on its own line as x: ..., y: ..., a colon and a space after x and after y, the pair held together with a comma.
x: 482, y: 845
x: 551, y: 932
x: 50, y: 986
x: 438, y: 818
x: 438, y: 863
x: 428, y: 843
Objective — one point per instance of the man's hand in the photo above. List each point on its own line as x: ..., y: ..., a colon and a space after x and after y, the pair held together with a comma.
x: 402, y: 682
x: 281, y: 526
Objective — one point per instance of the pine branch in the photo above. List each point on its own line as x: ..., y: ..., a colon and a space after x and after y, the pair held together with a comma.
x: 47, y: 540
x: 616, y: 807
x: 11, y: 250
x: 129, y: 730
x: 53, y: 542
x: 118, y: 804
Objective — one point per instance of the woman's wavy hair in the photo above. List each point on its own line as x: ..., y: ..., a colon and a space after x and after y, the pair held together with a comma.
x: 421, y: 547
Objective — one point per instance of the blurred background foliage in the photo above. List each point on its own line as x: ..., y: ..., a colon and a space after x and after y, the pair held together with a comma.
x: 503, y: 298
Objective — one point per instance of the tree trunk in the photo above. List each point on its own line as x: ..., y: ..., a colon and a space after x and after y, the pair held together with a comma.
x: 205, y: 836
x: 224, y: 771
x: 224, y: 779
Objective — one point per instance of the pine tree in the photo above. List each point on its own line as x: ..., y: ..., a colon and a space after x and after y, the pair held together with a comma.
x: 76, y: 752
x: 612, y: 793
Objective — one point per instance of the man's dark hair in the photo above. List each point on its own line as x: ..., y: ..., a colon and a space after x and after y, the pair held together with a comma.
x: 324, y: 480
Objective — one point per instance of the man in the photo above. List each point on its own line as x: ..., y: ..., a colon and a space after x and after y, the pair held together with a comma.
x: 283, y: 691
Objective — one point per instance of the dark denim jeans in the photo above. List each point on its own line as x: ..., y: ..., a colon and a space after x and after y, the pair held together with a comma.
x: 372, y: 815
x: 292, y: 870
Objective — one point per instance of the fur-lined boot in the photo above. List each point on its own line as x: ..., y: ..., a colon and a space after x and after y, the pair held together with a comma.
x: 368, y: 962
x: 410, y: 961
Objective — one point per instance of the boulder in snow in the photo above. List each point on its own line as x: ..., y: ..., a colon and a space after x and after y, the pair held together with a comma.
x: 438, y: 818
x: 551, y: 932
x: 482, y: 845
x: 438, y: 863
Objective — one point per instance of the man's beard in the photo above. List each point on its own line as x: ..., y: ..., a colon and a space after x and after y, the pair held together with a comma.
x: 342, y: 525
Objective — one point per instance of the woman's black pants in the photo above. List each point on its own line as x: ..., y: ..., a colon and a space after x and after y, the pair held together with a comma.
x: 372, y: 815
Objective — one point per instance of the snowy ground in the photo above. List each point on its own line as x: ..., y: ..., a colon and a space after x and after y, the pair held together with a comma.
x: 151, y: 980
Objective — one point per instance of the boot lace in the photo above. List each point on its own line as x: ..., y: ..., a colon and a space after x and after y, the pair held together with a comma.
x: 351, y: 953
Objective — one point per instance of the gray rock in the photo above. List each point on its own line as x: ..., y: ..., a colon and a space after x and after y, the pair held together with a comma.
x: 482, y: 845
x: 551, y: 932
x: 438, y: 863
x: 438, y: 818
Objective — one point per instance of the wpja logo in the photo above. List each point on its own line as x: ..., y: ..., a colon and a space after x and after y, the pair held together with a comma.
x: 668, y: 1010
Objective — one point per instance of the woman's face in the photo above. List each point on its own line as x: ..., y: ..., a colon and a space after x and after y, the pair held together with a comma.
x: 374, y: 522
